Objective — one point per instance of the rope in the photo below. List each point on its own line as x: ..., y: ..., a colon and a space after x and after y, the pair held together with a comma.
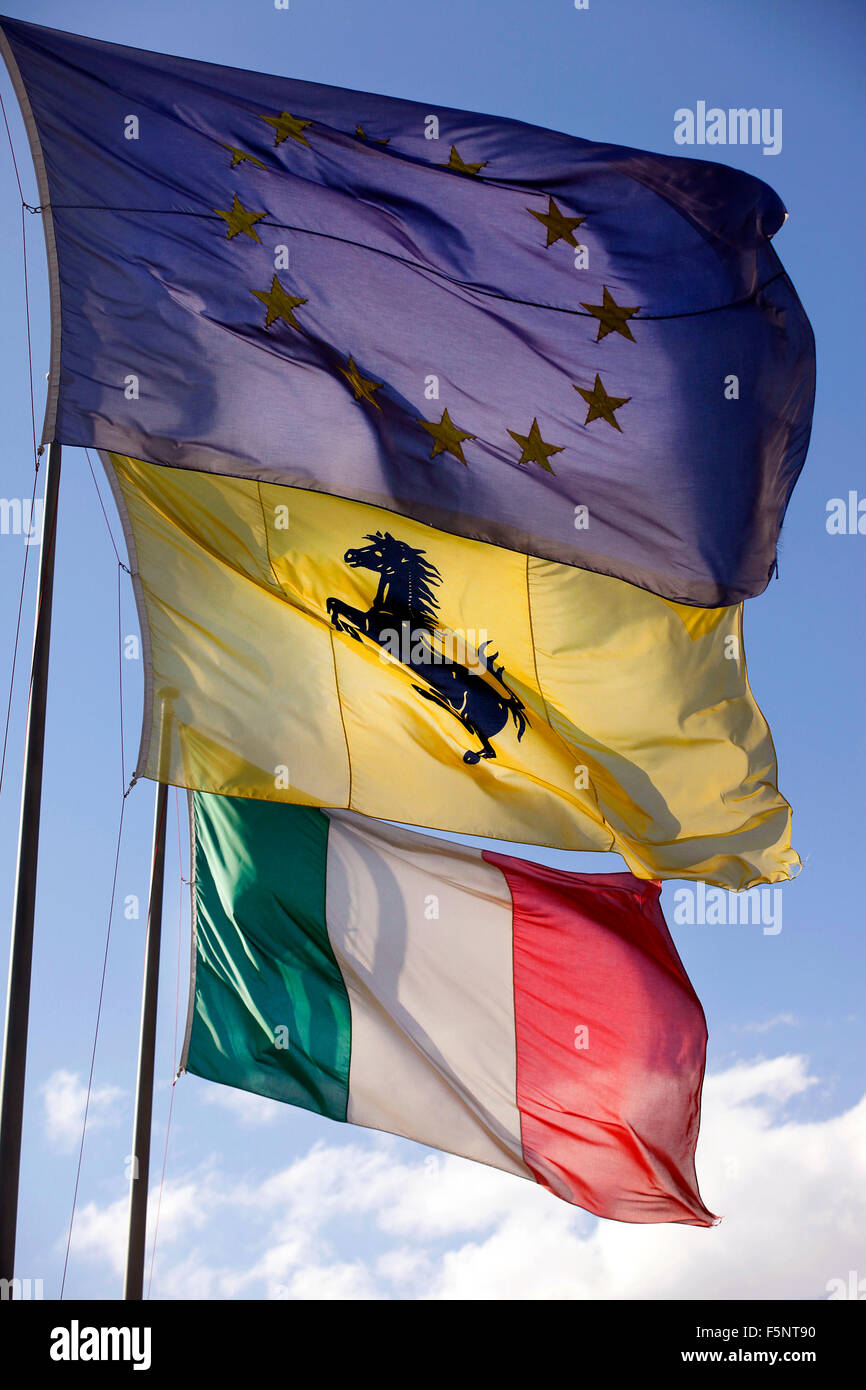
x: 120, y: 568
x: 105, y: 953
x: 12, y: 148
x: 27, y: 206
x: 95, y: 1041
x: 17, y: 640
x: 120, y: 678
x: 104, y: 512
x: 29, y: 343
x: 36, y: 451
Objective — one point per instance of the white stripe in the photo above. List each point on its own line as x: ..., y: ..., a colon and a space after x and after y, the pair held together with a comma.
x: 49, y: 423
x: 422, y: 932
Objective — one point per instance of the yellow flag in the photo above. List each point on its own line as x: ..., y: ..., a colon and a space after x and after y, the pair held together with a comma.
x: 304, y: 648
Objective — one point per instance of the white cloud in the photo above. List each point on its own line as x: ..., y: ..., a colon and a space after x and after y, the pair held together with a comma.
x: 331, y: 1282
x: 186, y: 1206
x: 63, y: 1099
x: 773, y: 1080
x: 367, y: 1219
x: 402, y: 1265
x: 100, y: 1232
x: 765, y: 1024
x: 248, y: 1109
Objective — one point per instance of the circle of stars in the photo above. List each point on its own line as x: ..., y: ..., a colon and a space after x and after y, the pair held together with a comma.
x: 447, y: 436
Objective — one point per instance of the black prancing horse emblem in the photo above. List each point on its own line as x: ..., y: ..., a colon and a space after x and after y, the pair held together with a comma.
x: 405, y: 606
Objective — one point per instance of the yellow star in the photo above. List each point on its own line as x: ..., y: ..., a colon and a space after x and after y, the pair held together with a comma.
x: 280, y: 304
x: 240, y: 220
x: 238, y: 156
x: 362, y: 386
x: 612, y: 317
x: 288, y: 127
x: 534, y: 448
x: 601, y: 405
x: 362, y: 135
x: 448, y: 437
x: 456, y: 163
x: 559, y: 227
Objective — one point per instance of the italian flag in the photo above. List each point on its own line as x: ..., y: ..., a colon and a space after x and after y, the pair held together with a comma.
x: 535, y: 1020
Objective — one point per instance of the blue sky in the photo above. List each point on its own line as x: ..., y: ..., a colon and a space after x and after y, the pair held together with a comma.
x: 251, y: 1206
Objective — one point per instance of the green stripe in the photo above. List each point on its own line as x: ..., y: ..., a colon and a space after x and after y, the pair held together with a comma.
x: 270, y: 1010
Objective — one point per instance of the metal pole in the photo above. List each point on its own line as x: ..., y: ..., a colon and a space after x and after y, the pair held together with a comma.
x: 21, y: 945
x: 133, y: 1288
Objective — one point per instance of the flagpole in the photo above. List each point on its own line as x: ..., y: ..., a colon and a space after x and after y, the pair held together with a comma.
x: 21, y: 945
x: 133, y: 1288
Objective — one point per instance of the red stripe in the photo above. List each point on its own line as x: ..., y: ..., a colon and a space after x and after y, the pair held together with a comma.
x: 611, y: 1044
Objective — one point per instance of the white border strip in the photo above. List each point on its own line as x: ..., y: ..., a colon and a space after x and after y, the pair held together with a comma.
x: 50, y: 421
x: 141, y: 606
x: 193, y: 937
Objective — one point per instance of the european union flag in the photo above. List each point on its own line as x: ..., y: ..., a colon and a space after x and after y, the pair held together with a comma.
x: 584, y: 352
